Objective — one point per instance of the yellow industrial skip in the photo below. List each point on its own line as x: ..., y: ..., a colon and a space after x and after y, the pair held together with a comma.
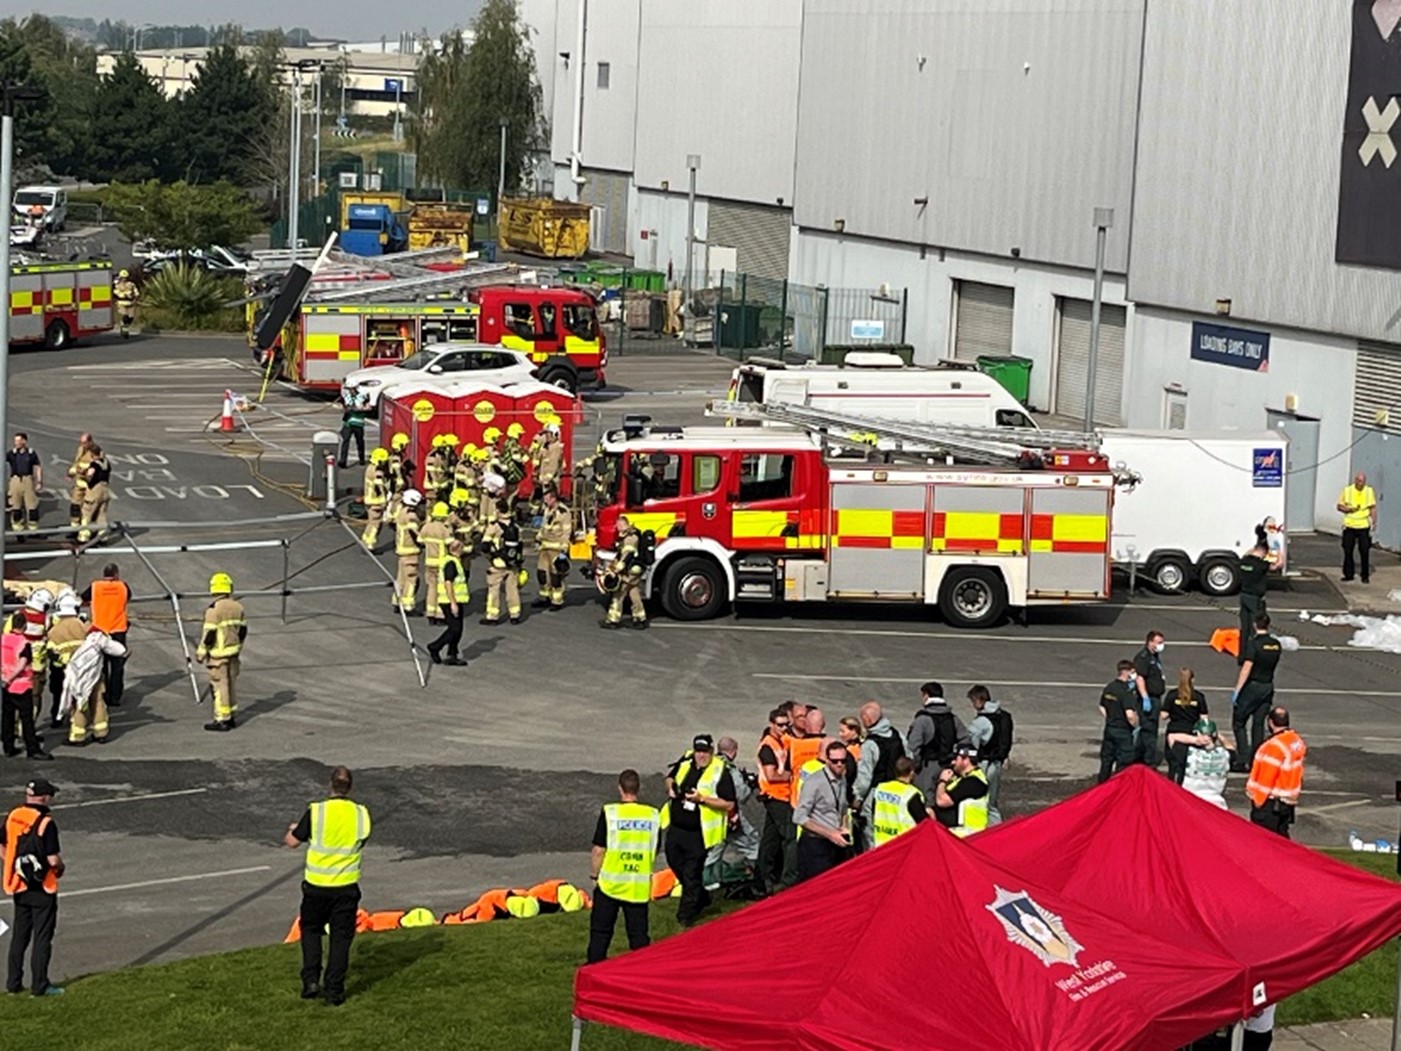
x: 544, y: 227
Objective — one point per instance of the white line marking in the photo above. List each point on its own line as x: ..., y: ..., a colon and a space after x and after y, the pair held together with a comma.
x: 981, y: 636
x: 1338, y: 806
x: 161, y: 882
x: 1223, y: 688
x: 130, y: 799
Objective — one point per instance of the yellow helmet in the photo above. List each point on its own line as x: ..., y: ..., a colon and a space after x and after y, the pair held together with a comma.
x: 440, y: 510
x: 123, y: 273
x: 491, y: 435
x: 450, y: 440
x: 468, y: 448
x: 221, y: 584
x: 481, y: 455
x: 399, y: 441
x: 515, y: 430
x: 459, y: 497
x: 437, y: 442
x: 553, y: 418
x: 379, y: 456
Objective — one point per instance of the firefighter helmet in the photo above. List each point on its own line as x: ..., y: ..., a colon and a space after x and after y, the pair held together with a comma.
x: 40, y: 600
x: 221, y: 584
x: 68, y: 606
x: 459, y: 497
x: 399, y: 442
x: 491, y: 435
x: 440, y: 509
x: 412, y: 498
x: 514, y: 430
x: 481, y: 455
x: 379, y: 456
x: 123, y: 274
x: 449, y: 440
x: 468, y: 448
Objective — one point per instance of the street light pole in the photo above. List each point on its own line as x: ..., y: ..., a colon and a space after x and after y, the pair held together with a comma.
x: 693, y: 165
x: 316, y: 165
x: 1104, y: 219
x: 294, y: 164
x: 501, y: 176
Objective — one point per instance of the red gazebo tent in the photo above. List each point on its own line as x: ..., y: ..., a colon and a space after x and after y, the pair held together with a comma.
x: 924, y: 943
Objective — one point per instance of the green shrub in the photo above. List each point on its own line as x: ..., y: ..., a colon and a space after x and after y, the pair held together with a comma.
x: 188, y: 297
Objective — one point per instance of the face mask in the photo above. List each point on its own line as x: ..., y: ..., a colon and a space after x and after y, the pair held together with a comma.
x: 1160, y: 647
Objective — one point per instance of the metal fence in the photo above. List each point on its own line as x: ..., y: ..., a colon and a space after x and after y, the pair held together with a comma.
x: 741, y: 315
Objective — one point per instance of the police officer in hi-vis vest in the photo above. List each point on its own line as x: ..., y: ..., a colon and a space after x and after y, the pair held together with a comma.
x: 334, y: 831
x: 624, y: 850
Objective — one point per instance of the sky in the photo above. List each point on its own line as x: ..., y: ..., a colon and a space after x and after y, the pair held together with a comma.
x: 346, y: 19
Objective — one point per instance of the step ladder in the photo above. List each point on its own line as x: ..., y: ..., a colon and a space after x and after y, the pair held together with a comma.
x: 924, y: 442
x: 423, y: 284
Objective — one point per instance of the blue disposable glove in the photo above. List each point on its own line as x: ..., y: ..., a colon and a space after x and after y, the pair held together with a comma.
x: 1147, y: 704
x: 1234, y: 695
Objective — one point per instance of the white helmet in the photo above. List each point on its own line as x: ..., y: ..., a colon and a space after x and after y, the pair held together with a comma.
x: 494, y: 481
x: 552, y: 428
x: 40, y: 600
x: 69, y: 605
x: 412, y: 498
x: 67, y: 592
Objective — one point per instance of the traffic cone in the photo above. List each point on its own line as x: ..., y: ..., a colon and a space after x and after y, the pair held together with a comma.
x: 226, y: 420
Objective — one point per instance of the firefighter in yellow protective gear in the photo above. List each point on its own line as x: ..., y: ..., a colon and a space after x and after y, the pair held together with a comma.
x: 433, y: 536
x: 401, y: 468
x: 407, y: 548
x: 126, y: 295
x: 552, y: 564
x: 437, y: 472
x: 465, y: 473
x: 501, y: 544
x: 220, y: 650
x: 626, y: 576
x: 376, y: 496
x: 65, y: 635
x: 78, y: 478
x: 514, y: 460
x: 462, y: 520
x: 546, y: 461
x: 96, y: 496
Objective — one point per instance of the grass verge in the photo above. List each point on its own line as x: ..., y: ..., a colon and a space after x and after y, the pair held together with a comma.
x: 480, y: 988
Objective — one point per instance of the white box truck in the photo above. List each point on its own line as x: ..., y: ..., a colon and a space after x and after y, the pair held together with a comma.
x: 872, y: 383
x: 1199, y: 497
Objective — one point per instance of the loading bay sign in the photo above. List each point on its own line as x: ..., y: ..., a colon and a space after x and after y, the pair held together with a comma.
x: 1239, y: 348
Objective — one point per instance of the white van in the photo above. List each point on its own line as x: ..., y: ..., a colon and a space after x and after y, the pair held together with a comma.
x: 871, y: 383
x: 52, y: 199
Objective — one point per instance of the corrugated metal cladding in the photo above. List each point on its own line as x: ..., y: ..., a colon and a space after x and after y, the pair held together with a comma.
x: 719, y: 78
x: 1012, y: 119
x: 760, y: 236
x: 610, y: 113
x: 1377, y: 386
x: 608, y: 190
x: 984, y: 321
x: 1240, y: 154
x: 1073, y: 361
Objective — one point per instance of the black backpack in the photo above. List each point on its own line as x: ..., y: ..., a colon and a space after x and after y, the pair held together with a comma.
x: 646, y: 548
x: 31, y: 860
x: 999, y: 746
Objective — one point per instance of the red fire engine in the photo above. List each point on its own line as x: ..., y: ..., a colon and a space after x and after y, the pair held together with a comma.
x: 775, y: 515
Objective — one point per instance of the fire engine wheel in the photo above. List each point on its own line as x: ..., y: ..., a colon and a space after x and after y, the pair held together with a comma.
x: 1220, y: 576
x: 973, y: 598
x: 564, y: 379
x: 694, y: 590
x: 57, y: 336
x: 1170, y: 575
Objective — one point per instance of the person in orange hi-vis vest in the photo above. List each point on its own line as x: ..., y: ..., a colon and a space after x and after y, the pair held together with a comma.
x: 778, y: 843
x: 33, y: 867
x: 1277, y: 775
x: 107, y: 601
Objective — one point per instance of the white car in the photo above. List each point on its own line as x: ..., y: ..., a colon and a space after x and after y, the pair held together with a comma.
x: 457, y: 361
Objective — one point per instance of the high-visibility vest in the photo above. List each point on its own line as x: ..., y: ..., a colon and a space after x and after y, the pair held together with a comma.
x: 801, y: 774
x: 224, y: 617
x: 339, y: 828
x: 36, y: 630
x: 459, y: 585
x: 20, y: 821
x: 800, y: 751
x: 891, y: 810
x: 12, y: 644
x: 1364, y: 500
x: 631, y: 850
x: 1278, y: 769
x: 972, y: 813
x: 712, y: 820
x: 406, y: 536
x: 109, y: 598
x: 780, y: 790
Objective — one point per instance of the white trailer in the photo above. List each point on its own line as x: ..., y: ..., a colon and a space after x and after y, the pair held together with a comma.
x: 1194, y: 510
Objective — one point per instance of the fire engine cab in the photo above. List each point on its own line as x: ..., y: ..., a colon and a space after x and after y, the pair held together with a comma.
x: 792, y: 515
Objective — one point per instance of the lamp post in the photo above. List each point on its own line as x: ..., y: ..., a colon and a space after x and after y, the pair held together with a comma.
x: 12, y: 93
x: 693, y: 166
x: 1104, y: 219
x: 294, y: 160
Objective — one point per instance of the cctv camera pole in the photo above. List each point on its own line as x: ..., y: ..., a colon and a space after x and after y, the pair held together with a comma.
x: 1104, y: 219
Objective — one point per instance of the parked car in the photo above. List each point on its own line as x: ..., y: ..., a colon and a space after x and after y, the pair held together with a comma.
x: 52, y: 199
x: 490, y: 364
x: 217, y: 259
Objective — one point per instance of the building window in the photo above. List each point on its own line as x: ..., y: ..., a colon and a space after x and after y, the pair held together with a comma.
x: 604, y: 71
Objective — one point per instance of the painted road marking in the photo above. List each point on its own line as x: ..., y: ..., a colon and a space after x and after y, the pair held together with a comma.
x: 959, y: 636
x: 1339, y: 806
x: 161, y: 882
x: 130, y: 799
x: 798, y: 676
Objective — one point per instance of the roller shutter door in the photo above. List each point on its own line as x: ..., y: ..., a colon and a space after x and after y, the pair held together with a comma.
x: 758, y: 234
x: 1377, y: 384
x: 1073, y: 362
x: 984, y: 322
x: 608, y: 192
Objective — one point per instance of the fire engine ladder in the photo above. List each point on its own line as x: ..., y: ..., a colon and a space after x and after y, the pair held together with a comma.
x: 999, y: 446
x: 405, y: 288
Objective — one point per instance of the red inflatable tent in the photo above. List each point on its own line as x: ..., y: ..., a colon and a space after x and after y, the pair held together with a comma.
x: 923, y: 943
x: 1204, y: 877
